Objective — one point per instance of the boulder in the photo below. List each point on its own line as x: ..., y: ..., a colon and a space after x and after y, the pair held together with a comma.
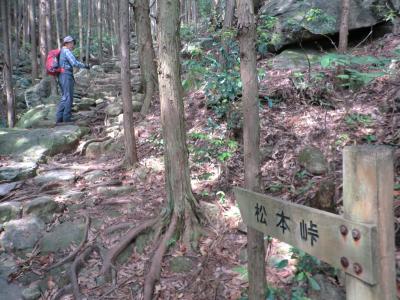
x: 324, y: 199
x: 31, y: 293
x: 313, y: 160
x: 96, y: 70
x: 62, y: 236
x: 34, y: 144
x: 8, y: 265
x: 5, y: 188
x: 294, y: 20
x: 137, y: 106
x: 112, y: 191
x: 9, y: 290
x: 42, y: 207
x: 18, y: 170
x: 64, y: 176
x: 35, y: 94
x: 138, y: 97
x: 38, y: 116
x: 84, y: 103
x: 94, y: 175
x: 294, y: 59
x: 82, y: 79
x: 98, y: 149
x: 22, y: 234
x: 113, y: 109
x: 9, y: 211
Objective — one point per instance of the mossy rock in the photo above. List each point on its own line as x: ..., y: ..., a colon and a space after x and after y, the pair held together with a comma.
x: 38, y: 117
x: 181, y: 264
x: 313, y: 160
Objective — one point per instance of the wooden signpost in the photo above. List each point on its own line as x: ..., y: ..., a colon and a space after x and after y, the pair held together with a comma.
x: 361, y: 242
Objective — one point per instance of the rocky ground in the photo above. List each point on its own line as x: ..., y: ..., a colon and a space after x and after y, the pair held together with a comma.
x: 65, y: 188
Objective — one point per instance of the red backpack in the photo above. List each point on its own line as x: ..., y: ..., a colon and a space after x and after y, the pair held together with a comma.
x: 52, y: 66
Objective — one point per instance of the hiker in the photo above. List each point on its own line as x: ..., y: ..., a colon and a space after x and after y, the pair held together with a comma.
x: 67, y: 62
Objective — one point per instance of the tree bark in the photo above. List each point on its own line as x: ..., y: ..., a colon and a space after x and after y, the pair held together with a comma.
x: 26, y: 33
x: 89, y: 14
x: 42, y: 36
x: 64, y: 18
x: 80, y: 21
x: 57, y: 22
x: 146, y: 52
x: 344, y: 26
x: 100, y: 29
x: 251, y: 139
x: 32, y: 5
x: 177, y: 175
x: 68, y: 15
x: 153, y: 12
x: 116, y: 39
x: 229, y: 13
x: 129, y: 130
x: 7, y: 69
x: 10, y: 42
x: 49, y: 43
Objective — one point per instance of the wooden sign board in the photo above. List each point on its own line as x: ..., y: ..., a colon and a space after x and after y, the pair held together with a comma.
x: 344, y: 244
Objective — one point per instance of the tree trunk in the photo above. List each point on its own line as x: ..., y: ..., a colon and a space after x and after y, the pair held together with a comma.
x: 146, y: 52
x: 42, y: 36
x: 67, y: 19
x: 229, y: 13
x: 344, y: 26
x: 129, y: 130
x: 7, y: 69
x: 10, y: 42
x: 17, y: 24
x: 64, y: 18
x: 89, y: 14
x: 100, y: 29
x: 32, y: 22
x: 26, y: 33
x: 183, y: 208
x: 251, y: 140
x: 57, y: 22
x: 116, y: 25
x: 80, y: 29
x: 153, y: 12
x: 49, y: 43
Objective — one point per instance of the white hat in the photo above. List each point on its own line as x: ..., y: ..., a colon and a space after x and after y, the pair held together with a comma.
x: 68, y: 39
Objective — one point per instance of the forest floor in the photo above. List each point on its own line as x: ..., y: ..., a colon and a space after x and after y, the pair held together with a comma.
x: 217, y: 271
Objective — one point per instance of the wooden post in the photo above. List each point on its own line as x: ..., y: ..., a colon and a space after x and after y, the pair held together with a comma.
x: 368, y: 198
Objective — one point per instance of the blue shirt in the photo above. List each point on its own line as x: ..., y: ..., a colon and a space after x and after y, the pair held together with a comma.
x: 68, y: 61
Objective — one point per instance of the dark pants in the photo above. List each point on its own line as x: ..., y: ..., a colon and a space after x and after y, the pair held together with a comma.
x: 66, y: 82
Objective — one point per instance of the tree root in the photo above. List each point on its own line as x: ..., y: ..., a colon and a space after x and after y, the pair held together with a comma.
x: 82, y: 148
x: 116, y: 227
x: 113, y: 253
x: 60, y: 293
x: 76, y: 251
x: 155, y: 269
x: 121, y: 284
x: 76, y: 266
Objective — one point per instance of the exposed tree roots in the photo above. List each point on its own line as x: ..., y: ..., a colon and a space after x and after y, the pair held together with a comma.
x: 113, y: 253
x: 72, y: 255
x: 116, y: 227
x: 61, y: 292
x: 76, y: 266
x: 155, y: 268
x: 82, y: 148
